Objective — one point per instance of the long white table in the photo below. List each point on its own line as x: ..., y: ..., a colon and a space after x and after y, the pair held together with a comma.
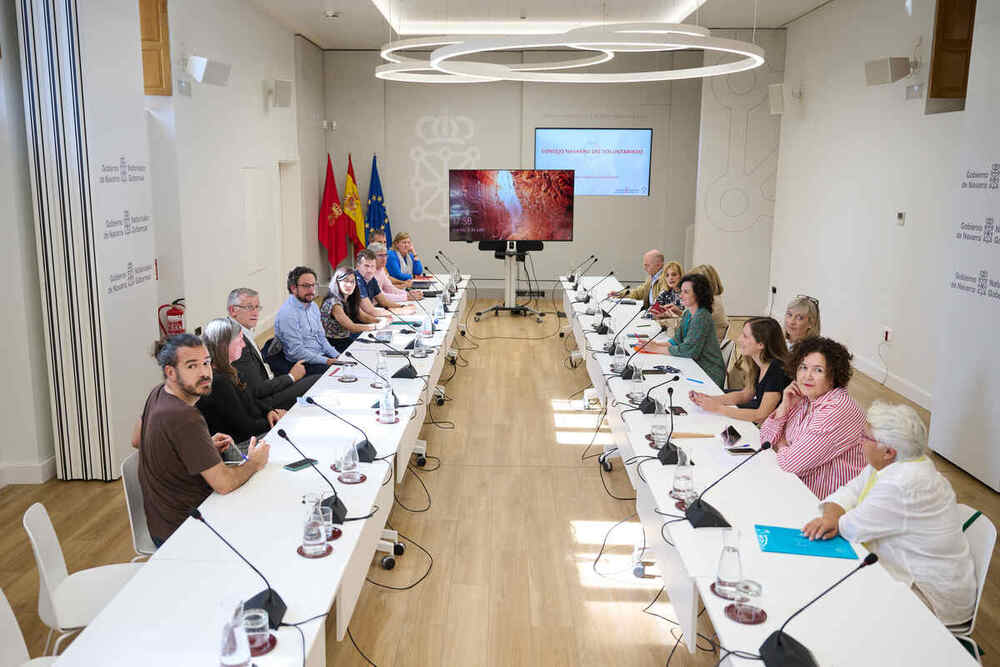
x: 167, y: 614
x: 871, y: 619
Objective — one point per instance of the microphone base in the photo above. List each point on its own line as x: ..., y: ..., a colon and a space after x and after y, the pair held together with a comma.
x: 667, y: 454
x: 269, y: 600
x: 407, y: 372
x: 337, y: 508
x: 601, y: 329
x: 703, y: 515
x: 366, y: 451
x: 782, y: 650
x: 647, y: 406
x: 628, y: 372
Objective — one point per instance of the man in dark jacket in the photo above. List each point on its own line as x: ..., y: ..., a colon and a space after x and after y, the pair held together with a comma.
x: 278, y: 391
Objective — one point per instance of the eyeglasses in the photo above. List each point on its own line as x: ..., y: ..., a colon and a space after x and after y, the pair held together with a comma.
x: 306, y: 285
x: 253, y: 308
x: 813, y: 300
x: 349, y: 278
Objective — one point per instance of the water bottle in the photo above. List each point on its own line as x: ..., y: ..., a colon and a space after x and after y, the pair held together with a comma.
x: 438, y: 312
x: 381, y: 369
x: 387, y: 407
x: 234, y: 649
x: 730, y: 571
x: 427, y: 327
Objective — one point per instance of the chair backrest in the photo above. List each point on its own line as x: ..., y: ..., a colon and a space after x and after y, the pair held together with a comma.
x: 141, y: 540
x: 982, y: 536
x: 49, y: 559
x: 13, y: 650
x: 727, y: 352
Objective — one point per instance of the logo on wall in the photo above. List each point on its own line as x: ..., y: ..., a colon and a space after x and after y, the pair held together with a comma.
x: 988, y: 231
x: 445, y: 144
x: 984, y: 282
x: 122, y: 172
x: 995, y: 176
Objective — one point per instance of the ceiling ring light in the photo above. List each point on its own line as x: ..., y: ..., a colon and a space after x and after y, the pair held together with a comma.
x: 444, y: 66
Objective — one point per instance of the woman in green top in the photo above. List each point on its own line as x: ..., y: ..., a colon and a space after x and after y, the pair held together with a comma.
x: 696, y: 337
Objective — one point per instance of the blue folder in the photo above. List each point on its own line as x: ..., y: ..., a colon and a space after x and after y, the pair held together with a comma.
x: 775, y: 539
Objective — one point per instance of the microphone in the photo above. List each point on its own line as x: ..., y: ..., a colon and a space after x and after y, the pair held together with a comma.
x: 268, y: 599
x: 586, y: 297
x: 450, y: 260
x: 571, y: 278
x: 668, y: 452
x: 336, y: 505
x: 589, y: 266
x: 780, y: 649
x: 365, y: 449
x: 406, y: 322
x: 433, y: 326
x: 647, y: 405
x: 406, y: 372
x: 449, y: 270
x: 443, y: 289
x: 628, y: 371
x: 703, y: 515
x: 394, y: 396
x: 603, y: 328
x: 610, y: 346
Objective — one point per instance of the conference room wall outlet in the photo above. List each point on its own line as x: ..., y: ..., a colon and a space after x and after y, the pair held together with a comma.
x: 886, y: 334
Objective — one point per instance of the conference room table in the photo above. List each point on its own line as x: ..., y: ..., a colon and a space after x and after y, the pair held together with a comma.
x: 170, y: 612
x: 870, y: 619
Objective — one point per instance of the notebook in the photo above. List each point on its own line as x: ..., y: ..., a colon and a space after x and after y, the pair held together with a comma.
x: 775, y: 539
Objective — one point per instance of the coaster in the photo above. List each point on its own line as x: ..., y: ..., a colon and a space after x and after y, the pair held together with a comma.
x: 745, y: 614
x: 347, y: 378
x: 376, y: 385
x: 340, y: 478
x: 257, y: 651
x: 682, y: 506
x: 301, y: 552
x: 721, y: 592
x: 335, y: 534
x: 380, y: 421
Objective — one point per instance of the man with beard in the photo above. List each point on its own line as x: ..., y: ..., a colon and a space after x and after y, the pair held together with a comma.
x: 298, y: 328
x: 179, y: 462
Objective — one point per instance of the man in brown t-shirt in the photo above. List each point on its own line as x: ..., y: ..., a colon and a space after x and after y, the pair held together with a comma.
x: 179, y: 461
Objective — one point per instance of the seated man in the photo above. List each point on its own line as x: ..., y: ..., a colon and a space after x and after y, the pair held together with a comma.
x: 391, y: 292
x: 402, y: 263
x: 652, y: 263
x: 298, y: 329
x: 369, y: 290
x: 273, y: 391
x: 179, y: 462
x: 904, y: 510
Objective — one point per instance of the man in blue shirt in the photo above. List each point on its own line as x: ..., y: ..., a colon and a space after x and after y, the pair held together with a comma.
x: 298, y: 328
x: 369, y: 290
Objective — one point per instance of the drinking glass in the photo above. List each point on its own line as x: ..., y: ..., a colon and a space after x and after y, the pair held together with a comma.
x: 313, y: 536
x: 381, y: 370
x: 255, y: 623
x: 234, y: 649
x: 618, y: 362
x: 349, y: 473
x: 660, y: 429
x: 683, y: 487
x: 730, y: 571
x: 636, y: 392
x: 325, y: 514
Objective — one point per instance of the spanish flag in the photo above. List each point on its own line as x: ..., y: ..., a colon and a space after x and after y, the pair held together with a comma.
x: 352, y: 202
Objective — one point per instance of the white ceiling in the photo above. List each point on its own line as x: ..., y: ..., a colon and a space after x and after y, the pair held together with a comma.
x: 362, y: 23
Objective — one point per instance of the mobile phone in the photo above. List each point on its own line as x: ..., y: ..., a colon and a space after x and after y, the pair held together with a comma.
x: 338, y: 362
x: 679, y: 411
x: 300, y: 465
x: 730, y: 436
x: 667, y: 369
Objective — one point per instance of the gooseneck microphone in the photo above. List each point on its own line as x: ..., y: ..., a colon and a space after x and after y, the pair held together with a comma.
x: 647, y: 405
x: 610, y: 347
x: 433, y: 326
x: 365, y: 449
x: 628, y: 371
x: 783, y: 650
x: 603, y: 328
x: 668, y: 452
x: 571, y: 278
x: 703, y: 515
x: 406, y: 372
x: 586, y: 296
x: 268, y: 599
x: 444, y: 288
x: 336, y: 505
x: 378, y: 375
x: 454, y: 288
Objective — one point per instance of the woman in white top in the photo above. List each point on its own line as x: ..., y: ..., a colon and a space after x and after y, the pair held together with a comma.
x: 903, y: 509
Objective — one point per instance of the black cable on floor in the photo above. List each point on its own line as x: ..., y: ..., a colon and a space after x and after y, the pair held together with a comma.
x: 438, y: 466
x: 360, y: 652
x: 600, y: 421
x: 444, y: 425
x: 430, y: 565
x: 605, y: 485
x: 605, y: 543
x: 408, y: 509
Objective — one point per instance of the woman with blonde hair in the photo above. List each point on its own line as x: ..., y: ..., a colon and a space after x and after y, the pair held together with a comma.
x: 718, y: 308
x: 801, y: 319
x: 669, y: 300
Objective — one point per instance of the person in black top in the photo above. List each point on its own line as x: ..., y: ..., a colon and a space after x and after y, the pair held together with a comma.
x: 764, y: 351
x: 230, y: 408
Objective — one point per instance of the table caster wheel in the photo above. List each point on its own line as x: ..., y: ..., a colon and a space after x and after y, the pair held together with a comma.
x: 476, y: 318
x: 388, y: 562
x: 398, y: 548
x: 606, y: 465
x: 538, y: 319
x: 639, y: 570
x: 439, y: 401
x: 421, y: 461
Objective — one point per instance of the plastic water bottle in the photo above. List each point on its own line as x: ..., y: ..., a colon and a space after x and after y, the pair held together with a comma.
x: 387, y: 407
x: 438, y: 312
x: 427, y: 327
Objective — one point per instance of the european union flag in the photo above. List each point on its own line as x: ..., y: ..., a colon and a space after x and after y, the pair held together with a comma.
x: 376, y: 218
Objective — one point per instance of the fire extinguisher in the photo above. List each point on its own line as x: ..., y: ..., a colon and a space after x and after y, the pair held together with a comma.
x: 172, y: 323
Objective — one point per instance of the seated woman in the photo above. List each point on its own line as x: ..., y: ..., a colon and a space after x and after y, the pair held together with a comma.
x: 801, y: 319
x: 764, y: 351
x: 393, y: 293
x: 402, y: 262
x: 904, y: 510
x: 341, y: 313
x: 816, y: 431
x: 666, y: 306
x: 230, y: 408
x: 695, y: 337
x: 718, y: 306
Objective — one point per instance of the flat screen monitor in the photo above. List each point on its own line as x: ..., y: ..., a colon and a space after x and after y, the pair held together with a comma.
x: 510, y: 204
x: 607, y: 161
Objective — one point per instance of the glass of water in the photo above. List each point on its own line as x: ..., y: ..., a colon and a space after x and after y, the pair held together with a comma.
x: 730, y: 571
x: 618, y: 362
x: 683, y: 487
x: 381, y: 370
x: 660, y: 429
x: 313, y: 536
x: 258, y: 635
x: 636, y: 392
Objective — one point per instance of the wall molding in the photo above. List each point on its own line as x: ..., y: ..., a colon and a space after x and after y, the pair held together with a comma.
x: 900, y: 385
x: 27, y: 473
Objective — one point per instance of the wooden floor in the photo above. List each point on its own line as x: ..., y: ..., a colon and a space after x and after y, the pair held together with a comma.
x: 514, y: 527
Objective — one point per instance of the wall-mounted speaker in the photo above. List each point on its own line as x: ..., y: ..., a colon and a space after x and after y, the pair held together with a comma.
x: 282, y: 93
x: 776, y: 98
x: 886, y: 70
x: 204, y: 70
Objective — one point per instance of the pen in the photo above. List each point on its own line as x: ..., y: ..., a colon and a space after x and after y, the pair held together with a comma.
x: 334, y: 372
x: 693, y: 380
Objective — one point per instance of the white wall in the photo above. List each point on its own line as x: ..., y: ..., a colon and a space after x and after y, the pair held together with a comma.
x: 419, y: 131
x: 301, y: 245
x: 26, y: 451
x: 228, y: 148
x: 737, y: 165
x: 851, y: 157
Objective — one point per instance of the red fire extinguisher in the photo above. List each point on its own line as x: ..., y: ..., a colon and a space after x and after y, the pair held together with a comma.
x: 172, y: 323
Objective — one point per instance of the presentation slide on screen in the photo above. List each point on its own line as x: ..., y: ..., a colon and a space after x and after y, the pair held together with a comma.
x: 606, y: 161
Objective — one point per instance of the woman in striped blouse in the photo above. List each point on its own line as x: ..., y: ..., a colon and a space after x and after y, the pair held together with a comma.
x: 816, y: 431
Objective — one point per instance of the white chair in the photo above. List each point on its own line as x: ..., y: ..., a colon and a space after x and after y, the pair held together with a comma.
x: 68, y: 602
x: 141, y: 540
x: 727, y: 354
x: 982, y: 536
x: 13, y: 650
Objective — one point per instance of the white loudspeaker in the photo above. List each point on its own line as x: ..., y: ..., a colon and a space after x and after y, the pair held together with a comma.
x: 776, y: 98
x: 204, y: 70
x: 886, y: 70
x: 282, y: 93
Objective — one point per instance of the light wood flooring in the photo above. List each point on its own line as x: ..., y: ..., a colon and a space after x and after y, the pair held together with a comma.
x: 515, y: 524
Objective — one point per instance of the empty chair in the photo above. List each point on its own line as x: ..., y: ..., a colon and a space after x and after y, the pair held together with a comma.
x: 982, y: 536
x: 141, y: 540
x: 13, y: 650
x: 68, y: 602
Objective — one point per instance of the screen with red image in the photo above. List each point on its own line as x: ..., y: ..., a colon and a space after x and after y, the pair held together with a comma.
x: 510, y: 204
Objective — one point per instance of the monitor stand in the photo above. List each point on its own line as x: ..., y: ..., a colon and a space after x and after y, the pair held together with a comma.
x: 511, y: 254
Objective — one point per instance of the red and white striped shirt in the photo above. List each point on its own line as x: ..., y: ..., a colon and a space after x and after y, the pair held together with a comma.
x: 823, y: 440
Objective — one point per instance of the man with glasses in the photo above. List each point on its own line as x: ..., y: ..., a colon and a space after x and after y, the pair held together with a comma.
x: 298, y: 329
x: 274, y: 391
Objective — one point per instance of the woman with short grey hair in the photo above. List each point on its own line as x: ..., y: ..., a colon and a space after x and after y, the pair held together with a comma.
x: 903, y: 509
